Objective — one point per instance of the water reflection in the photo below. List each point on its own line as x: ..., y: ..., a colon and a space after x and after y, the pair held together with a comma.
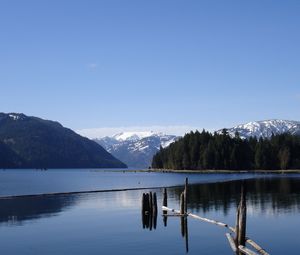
x: 184, y: 231
x: 149, y: 210
x: 266, y: 195
x: 16, y: 210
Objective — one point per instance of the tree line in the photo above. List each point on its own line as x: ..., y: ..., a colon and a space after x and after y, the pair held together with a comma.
x: 204, y: 150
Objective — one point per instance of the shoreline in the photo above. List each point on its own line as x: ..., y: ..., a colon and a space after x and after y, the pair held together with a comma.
x: 289, y: 171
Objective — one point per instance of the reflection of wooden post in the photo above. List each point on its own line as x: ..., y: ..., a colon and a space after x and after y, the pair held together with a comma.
x: 147, y: 202
x: 182, y: 226
x: 186, y: 234
x: 185, y: 195
x: 184, y: 231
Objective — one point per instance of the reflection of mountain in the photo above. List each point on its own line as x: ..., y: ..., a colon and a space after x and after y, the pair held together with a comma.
x: 19, y: 209
x: 266, y: 195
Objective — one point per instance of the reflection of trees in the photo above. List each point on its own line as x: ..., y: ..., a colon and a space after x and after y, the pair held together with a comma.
x: 19, y: 209
x: 275, y: 193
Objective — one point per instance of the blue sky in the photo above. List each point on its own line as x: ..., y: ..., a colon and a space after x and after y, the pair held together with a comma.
x: 98, y: 64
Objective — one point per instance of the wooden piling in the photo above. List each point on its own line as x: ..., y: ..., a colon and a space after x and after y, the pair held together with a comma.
x: 165, y: 203
x: 185, y: 195
x: 241, y: 237
x: 150, y: 203
x: 237, y: 226
x: 143, y: 202
x: 182, y: 204
x: 154, y: 204
x: 165, y: 197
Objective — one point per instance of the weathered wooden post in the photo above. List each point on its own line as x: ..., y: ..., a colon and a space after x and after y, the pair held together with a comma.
x: 149, y: 210
x: 154, y: 210
x: 242, y: 217
x: 185, y: 195
x: 182, y: 204
x: 237, y: 229
x: 150, y: 203
x: 165, y: 203
x: 143, y: 210
x: 143, y: 203
x: 154, y: 203
x: 165, y: 197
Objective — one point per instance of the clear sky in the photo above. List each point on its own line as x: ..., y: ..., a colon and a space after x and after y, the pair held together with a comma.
x: 97, y: 64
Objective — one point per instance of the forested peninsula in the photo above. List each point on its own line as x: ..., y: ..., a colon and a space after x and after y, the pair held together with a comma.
x: 219, y: 151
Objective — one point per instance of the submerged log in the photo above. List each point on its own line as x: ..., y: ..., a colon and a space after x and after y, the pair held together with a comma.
x: 231, y: 242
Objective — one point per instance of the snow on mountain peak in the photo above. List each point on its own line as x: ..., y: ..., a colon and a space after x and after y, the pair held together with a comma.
x: 14, y: 116
x: 133, y: 136
x: 265, y: 128
x: 136, y: 148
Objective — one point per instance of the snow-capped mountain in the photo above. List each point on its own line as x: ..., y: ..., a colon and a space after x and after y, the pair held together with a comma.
x: 136, y: 149
x: 265, y: 128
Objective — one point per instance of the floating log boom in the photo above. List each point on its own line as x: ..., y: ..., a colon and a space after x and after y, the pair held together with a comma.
x: 237, y: 244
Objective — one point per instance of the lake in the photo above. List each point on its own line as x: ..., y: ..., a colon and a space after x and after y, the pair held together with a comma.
x: 111, y: 222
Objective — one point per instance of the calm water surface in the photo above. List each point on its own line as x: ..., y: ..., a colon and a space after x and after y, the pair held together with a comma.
x: 27, y: 182
x: 111, y: 222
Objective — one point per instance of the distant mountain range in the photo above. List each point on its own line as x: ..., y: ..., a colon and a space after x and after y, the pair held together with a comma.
x: 136, y: 149
x: 265, y: 128
x: 31, y: 142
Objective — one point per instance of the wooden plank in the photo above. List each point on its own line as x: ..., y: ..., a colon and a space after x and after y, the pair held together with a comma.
x: 197, y: 217
x: 256, y: 246
x: 231, y: 242
x: 246, y: 251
